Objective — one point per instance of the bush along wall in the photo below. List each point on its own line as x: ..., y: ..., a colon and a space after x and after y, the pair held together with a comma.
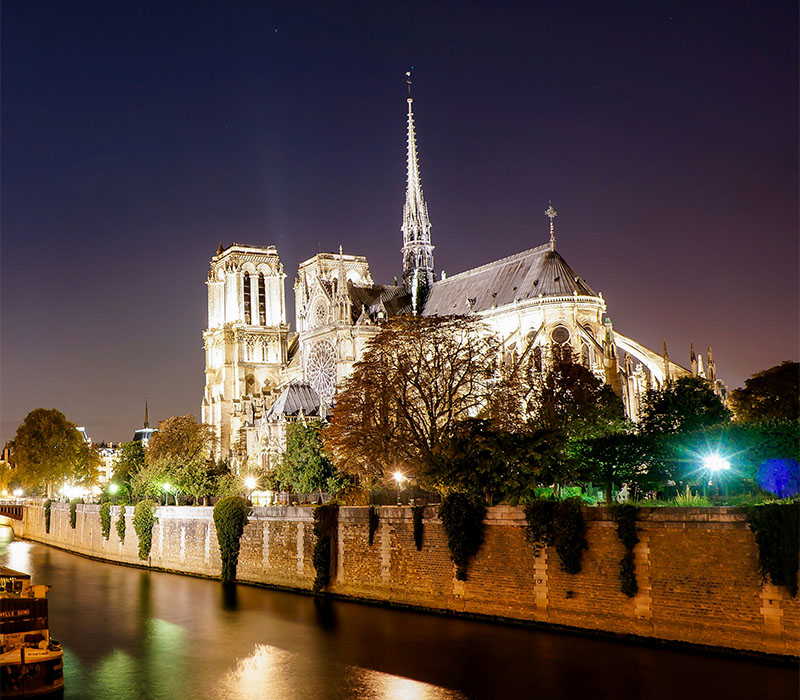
x: 776, y: 527
x: 105, y: 519
x: 230, y: 517
x: 560, y: 524
x: 419, y: 528
x: 462, y: 518
x: 143, y: 520
x: 73, y: 514
x: 48, y: 506
x: 326, y: 525
x: 625, y: 516
x: 121, y: 524
x: 374, y: 520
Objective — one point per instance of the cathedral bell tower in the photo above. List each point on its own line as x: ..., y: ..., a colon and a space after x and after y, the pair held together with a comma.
x: 416, y: 228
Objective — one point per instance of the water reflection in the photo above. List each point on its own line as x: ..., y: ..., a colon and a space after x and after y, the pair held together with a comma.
x: 130, y: 634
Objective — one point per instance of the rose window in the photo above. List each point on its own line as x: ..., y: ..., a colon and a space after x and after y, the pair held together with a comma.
x: 319, y: 315
x: 321, y: 368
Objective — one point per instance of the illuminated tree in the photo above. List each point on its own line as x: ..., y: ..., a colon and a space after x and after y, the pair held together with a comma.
x: 773, y: 394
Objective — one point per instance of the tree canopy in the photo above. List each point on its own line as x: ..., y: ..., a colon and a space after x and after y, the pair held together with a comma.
x: 48, y: 450
x: 305, y: 466
x: 773, y: 394
x: 683, y: 405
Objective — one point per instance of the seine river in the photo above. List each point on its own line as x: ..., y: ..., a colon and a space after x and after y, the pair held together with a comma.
x: 137, y: 635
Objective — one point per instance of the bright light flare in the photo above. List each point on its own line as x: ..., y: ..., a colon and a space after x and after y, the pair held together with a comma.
x: 250, y: 483
x: 167, y: 486
x: 714, y: 463
x: 113, y: 488
x: 399, y: 477
x: 17, y: 493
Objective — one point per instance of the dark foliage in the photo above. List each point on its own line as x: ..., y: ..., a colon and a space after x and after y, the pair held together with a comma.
x: 776, y: 527
x: 73, y: 513
x: 374, y: 519
x: 416, y: 513
x: 48, y: 506
x: 561, y: 524
x: 772, y: 394
x: 230, y: 517
x: 540, y: 515
x: 684, y: 405
x: 326, y: 525
x: 105, y: 519
x: 121, y: 524
x: 462, y: 518
x: 625, y: 515
x: 143, y: 520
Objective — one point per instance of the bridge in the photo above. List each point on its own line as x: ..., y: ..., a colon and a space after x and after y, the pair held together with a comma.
x: 12, y: 510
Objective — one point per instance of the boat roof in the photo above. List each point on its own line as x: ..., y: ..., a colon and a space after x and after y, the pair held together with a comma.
x: 5, y: 572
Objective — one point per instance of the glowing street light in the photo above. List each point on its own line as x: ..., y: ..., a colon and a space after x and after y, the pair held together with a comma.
x: 18, y: 493
x: 167, y: 487
x: 715, y: 464
x: 399, y: 477
x: 113, y: 488
x: 250, y: 483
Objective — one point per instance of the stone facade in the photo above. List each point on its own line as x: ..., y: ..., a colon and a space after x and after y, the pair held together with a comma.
x: 697, y: 568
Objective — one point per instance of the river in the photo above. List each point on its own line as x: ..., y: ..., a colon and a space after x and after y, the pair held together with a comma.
x: 131, y: 634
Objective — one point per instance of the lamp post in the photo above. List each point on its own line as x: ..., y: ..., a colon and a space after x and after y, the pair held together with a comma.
x: 399, y: 477
x: 113, y: 488
x: 167, y: 487
x: 250, y: 484
x: 715, y: 465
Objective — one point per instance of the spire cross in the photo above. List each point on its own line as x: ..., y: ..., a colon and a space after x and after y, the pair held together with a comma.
x: 552, y: 213
x: 408, y: 82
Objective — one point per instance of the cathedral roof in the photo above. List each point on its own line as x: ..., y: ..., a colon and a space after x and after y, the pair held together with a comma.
x: 394, y: 300
x: 538, y: 272
x: 293, y: 399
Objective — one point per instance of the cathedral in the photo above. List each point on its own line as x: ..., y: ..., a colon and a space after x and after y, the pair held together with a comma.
x: 260, y: 375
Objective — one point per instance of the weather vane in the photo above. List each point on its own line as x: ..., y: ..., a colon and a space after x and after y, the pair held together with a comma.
x: 552, y: 213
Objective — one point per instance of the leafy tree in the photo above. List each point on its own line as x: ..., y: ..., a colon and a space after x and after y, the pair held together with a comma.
x: 181, y: 451
x: 419, y: 377
x: 48, y: 449
x: 771, y: 394
x: 684, y: 405
x: 130, y: 461
x: 305, y: 465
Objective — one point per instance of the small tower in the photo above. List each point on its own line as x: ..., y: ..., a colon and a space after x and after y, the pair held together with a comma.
x: 692, y: 359
x: 417, y: 248
x: 552, y: 214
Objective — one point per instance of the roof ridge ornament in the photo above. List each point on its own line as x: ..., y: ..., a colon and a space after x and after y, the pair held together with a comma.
x: 552, y: 214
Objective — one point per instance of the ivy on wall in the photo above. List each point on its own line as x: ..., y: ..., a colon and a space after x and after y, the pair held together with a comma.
x: 230, y: 517
x: 143, y: 520
x: 374, y: 519
x: 419, y: 528
x: 105, y: 519
x: 776, y: 527
x: 326, y: 525
x: 625, y: 516
x: 560, y: 524
x: 121, y: 524
x: 48, y: 505
x: 462, y: 518
x: 73, y: 513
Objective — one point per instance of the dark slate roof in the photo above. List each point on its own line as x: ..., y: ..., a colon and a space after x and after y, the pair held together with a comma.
x: 396, y: 300
x: 294, y: 398
x: 532, y: 273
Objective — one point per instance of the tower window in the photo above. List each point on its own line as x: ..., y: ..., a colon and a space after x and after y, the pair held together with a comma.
x: 248, y: 309
x: 262, y: 300
x: 560, y: 335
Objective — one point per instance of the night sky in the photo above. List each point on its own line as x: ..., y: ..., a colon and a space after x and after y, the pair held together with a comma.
x: 137, y: 136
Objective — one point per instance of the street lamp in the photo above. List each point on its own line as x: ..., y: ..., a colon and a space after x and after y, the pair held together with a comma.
x: 715, y: 464
x: 399, y: 477
x: 113, y: 488
x: 167, y: 487
x: 17, y: 493
x: 250, y: 484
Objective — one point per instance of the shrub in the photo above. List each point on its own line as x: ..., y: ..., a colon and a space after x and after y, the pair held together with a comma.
x: 230, y: 517
x: 143, y: 521
x: 326, y: 524
x: 561, y: 524
x: 462, y: 518
x: 374, y: 519
x: 73, y: 513
x: 48, y: 505
x: 625, y: 515
x: 776, y: 527
x: 105, y: 519
x: 121, y: 524
x: 416, y: 513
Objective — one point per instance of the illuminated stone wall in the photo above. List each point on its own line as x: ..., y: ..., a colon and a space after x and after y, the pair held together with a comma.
x: 696, y: 568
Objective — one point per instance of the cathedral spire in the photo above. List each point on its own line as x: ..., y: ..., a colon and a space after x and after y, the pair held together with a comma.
x: 146, y: 421
x: 552, y: 214
x: 416, y: 228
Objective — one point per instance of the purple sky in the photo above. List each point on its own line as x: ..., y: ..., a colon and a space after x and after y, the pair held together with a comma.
x: 136, y: 136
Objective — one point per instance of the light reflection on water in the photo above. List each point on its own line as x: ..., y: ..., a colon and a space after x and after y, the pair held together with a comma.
x: 131, y: 634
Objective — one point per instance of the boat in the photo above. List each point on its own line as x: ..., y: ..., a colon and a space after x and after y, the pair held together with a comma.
x: 31, y: 663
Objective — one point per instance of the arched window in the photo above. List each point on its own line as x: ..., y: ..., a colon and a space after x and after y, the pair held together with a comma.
x: 262, y: 300
x: 248, y: 309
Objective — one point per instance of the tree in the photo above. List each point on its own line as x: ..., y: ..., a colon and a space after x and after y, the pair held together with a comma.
x: 305, y: 465
x: 680, y: 406
x: 419, y: 377
x: 181, y: 451
x: 48, y: 449
x: 773, y: 394
x: 130, y: 461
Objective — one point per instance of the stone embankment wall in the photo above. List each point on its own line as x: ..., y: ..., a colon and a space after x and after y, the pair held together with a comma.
x: 697, y: 568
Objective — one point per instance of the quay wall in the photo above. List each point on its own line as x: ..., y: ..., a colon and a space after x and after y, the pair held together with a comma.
x: 697, y: 568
